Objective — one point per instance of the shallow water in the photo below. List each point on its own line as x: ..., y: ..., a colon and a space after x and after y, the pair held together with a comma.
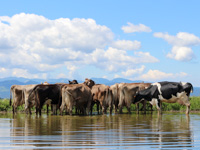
x: 169, y: 131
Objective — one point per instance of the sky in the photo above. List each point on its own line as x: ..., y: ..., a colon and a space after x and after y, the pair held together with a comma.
x: 137, y: 40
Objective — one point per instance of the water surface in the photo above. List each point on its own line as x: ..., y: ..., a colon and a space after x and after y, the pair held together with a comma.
x: 169, y: 131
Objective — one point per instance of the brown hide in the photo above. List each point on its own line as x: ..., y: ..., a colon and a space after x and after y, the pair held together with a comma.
x: 123, y: 94
x: 102, y: 94
x: 17, y: 96
x: 78, y: 95
x: 89, y: 82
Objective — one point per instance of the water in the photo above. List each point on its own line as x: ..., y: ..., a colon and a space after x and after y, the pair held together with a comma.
x: 169, y: 131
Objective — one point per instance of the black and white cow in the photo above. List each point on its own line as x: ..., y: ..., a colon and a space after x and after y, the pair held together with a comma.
x: 169, y: 92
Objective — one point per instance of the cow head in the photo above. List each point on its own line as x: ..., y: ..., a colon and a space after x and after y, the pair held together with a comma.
x: 89, y: 82
x: 73, y: 82
x: 137, y: 98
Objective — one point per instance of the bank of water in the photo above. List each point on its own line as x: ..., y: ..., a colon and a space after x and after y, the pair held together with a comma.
x: 168, y: 131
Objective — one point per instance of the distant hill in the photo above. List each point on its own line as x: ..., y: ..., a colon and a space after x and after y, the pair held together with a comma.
x: 6, y: 83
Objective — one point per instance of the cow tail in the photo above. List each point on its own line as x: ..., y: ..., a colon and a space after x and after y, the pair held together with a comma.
x: 37, y: 102
x: 191, y: 91
x: 23, y: 97
x: 107, y: 93
x: 11, y: 96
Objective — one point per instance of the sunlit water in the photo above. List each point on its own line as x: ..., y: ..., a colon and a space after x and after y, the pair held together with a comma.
x: 169, y: 131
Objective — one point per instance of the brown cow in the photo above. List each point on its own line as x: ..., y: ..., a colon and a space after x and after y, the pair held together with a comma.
x: 123, y: 94
x: 103, y: 95
x: 16, y: 93
x: 89, y: 82
x: 26, y: 91
x: 127, y: 93
x: 78, y: 95
x: 115, y: 93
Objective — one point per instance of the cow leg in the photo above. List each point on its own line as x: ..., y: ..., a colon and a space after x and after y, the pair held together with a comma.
x: 70, y: 112
x: 129, y: 109
x: 13, y: 109
x: 91, y: 107
x: 47, y: 109
x: 116, y: 107
x: 120, y: 109
x: 103, y: 109
x: 187, y: 109
x: 144, y: 106
x: 111, y: 108
x: 159, y: 106
x: 98, y: 108
x: 137, y: 108
x: 62, y: 108
x: 40, y: 111
x: 36, y: 111
x: 30, y: 111
x: 151, y: 107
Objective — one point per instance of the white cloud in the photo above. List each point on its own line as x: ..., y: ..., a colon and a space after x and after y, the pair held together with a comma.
x: 181, y: 53
x: 34, y: 46
x: 35, y: 42
x: 144, y: 57
x: 156, y: 75
x: 131, y: 72
x: 181, y: 38
x: 61, y: 75
x: 181, y: 45
x: 130, y: 28
x: 117, y: 76
x: 17, y: 72
x: 2, y: 70
x: 115, y: 60
x: 126, y: 45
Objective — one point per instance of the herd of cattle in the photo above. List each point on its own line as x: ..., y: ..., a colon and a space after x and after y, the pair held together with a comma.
x: 83, y: 96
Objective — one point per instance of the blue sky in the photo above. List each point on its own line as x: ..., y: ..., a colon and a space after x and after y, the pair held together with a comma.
x: 138, y: 40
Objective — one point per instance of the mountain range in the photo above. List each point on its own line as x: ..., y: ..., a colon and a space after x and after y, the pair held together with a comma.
x: 6, y: 83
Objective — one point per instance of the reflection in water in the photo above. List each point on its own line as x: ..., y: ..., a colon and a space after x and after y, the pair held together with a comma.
x: 100, y: 132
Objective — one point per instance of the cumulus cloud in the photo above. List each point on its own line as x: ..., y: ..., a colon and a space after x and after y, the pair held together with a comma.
x: 126, y: 45
x: 130, y: 28
x: 114, y: 60
x: 181, y: 53
x: 156, y: 75
x: 18, y: 72
x: 131, y: 72
x: 35, y: 46
x: 181, y: 38
x: 181, y: 45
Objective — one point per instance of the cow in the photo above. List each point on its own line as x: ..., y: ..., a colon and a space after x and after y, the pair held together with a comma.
x: 26, y: 92
x: 42, y: 93
x: 78, y: 95
x: 89, y: 82
x: 16, y: 93
x: 170, y: 92
x: 119, y: 88
x: 126, y: 95
x: 73, y: 82
x: 115, y: 93
x: 30, y: 101
x: 102, y: 95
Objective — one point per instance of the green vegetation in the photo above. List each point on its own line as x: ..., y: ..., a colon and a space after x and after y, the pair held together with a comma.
x: 4, y: 105
x: 195, y: 106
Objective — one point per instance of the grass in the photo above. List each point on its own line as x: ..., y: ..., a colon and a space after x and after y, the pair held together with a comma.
x: 194, y: 101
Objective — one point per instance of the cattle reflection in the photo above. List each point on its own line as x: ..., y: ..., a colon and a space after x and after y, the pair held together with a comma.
x: 166, y: 131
